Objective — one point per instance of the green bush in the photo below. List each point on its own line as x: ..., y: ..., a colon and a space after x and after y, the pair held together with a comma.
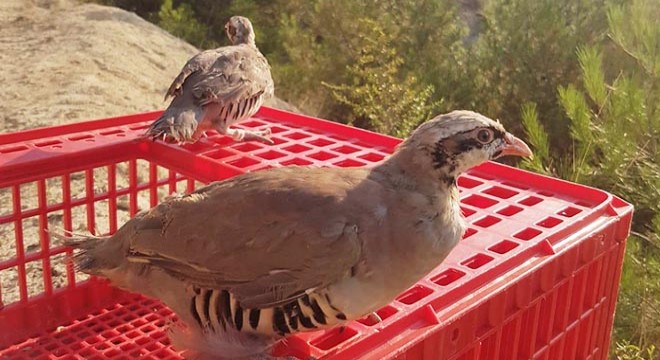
x: 614, y: 126
x: 181, y: 22
x: 527, y: 51
x: 626, y: 351
x: 378, y: 96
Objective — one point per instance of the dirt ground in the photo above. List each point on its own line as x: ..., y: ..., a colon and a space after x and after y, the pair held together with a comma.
x: 63, y: 62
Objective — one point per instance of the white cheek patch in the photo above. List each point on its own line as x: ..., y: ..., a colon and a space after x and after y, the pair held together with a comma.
x: 470, y: 159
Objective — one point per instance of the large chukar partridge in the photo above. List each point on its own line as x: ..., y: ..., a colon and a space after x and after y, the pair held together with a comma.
x: 249, y: 260
x: 218, y: 88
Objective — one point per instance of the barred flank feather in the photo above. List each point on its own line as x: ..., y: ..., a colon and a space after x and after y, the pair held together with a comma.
x: 239, y: 111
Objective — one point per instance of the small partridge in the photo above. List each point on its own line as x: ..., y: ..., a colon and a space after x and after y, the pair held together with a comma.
x: 216, y: 89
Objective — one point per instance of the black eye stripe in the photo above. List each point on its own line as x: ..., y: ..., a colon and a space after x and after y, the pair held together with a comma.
x: 445, y: 155
x: 469, y: 144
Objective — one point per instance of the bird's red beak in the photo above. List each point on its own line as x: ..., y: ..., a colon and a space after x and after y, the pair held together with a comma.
x: 516, y: 147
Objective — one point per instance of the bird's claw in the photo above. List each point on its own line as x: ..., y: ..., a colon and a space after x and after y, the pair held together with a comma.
x: 375, y: 318
x: 175, y: 138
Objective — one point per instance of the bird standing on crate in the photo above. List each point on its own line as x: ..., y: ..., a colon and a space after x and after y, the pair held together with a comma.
x: 218, y: 88
x: 249, y: 260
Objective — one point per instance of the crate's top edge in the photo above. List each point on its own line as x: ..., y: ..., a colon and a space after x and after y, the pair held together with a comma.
x: 103, y: 138
x: 322, y: 124
x: 111, y: 122
x: 83, y: 126
x: 108, y: 137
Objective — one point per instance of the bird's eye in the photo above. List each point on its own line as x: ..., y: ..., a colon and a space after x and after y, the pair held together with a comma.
x: 485, y: 136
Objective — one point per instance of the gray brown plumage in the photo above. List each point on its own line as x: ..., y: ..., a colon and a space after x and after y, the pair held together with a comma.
x: 246, y: 261
x: 218, y: 88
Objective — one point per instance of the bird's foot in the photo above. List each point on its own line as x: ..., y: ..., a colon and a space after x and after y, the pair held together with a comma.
x: 177, y: 138
x: 251, y: 135
x: 375, y: 318
x: 173, y: 132
x: 258, y: 135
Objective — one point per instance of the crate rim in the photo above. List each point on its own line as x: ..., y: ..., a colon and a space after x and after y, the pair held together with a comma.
x: 607, y: 207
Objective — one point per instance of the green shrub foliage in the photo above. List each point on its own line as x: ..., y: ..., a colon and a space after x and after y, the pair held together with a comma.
x: 613, y: 126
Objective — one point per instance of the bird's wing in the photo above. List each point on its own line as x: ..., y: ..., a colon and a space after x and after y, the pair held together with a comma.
x: 237, y: 74
x: 268, y: 237
x: 196, y: 64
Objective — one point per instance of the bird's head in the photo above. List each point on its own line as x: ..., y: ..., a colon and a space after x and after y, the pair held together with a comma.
x: 239, y: 30
x: 449, y: 144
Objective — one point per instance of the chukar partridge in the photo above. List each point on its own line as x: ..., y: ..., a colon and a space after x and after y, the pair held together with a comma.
x: 246, y: 261
x: 216, y: 89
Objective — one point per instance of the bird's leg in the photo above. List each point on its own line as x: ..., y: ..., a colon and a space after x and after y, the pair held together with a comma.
x: 258, y: 135
x: 375, y: 318
x: 250, y: 135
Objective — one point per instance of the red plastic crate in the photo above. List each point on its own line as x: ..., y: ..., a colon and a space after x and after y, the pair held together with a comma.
x: 535, y: 277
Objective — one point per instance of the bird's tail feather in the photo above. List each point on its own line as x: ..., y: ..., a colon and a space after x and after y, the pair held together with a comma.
x: 202, y: 345
x: 84, y: 260
x: 175, y: 124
